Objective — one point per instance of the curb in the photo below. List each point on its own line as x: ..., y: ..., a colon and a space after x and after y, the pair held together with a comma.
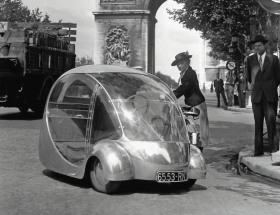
x: 261, y: 165
x: 237, y: 109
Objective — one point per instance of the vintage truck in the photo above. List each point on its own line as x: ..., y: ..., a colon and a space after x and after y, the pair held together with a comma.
x: 32, y: 57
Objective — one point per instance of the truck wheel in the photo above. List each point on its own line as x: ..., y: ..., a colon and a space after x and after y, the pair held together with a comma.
x: 184, y: 185
x: 98, y: 181
x: 23, y: 109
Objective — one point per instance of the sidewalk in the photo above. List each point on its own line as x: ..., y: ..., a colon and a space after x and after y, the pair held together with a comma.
x: 266, y: 165
x: 238, y: 109
x: 262, y: 165
x: 234, y: 127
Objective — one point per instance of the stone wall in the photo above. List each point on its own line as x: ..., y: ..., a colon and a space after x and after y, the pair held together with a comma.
x: 138, y: 17
x: 137, y: 27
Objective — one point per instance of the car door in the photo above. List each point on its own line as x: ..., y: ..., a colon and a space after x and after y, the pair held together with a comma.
x: 69, y: 115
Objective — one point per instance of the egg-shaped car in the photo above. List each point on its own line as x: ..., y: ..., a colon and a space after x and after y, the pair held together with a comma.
x: 114, y: 124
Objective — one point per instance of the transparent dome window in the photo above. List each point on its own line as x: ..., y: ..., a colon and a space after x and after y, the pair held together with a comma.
x: 80, y: 113
x: 147, y: 108
x: 68, y: 115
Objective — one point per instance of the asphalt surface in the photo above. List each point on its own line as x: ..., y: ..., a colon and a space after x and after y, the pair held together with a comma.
x: 27, y: 187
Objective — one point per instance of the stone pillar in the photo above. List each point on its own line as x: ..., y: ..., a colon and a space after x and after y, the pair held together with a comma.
x: 135, y: 21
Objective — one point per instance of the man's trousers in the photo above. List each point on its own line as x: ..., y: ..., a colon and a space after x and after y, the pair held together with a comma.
x: 267, y: 110
x: 241, y: 99
x: 224, y: 98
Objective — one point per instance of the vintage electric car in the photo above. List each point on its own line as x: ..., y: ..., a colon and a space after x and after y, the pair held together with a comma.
x: 115, y: 124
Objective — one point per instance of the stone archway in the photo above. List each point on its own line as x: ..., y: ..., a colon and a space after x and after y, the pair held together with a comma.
x: 124, y: 32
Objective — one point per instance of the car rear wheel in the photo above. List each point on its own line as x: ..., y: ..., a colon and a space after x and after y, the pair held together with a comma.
x: 98, y: 180
x: 184, y: 185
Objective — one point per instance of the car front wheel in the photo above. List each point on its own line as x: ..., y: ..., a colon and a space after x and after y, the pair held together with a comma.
x: 98, y: 180
x: 184, y: 185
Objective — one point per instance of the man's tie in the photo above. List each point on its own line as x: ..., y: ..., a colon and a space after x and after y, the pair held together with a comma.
x: 260, y: 62
x: 179, y: 81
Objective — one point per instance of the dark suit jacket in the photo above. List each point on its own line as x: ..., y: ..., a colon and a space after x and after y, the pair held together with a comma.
x: 267, y: 79
x: 190, y: 89
x: 242, y: 84
x: 219, y: 85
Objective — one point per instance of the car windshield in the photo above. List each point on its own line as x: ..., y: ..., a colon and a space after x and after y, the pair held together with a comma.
x: 147, y: 109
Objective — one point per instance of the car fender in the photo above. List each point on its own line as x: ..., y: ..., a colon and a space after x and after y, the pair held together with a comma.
x: 116, y: 162
x: 197, y: 167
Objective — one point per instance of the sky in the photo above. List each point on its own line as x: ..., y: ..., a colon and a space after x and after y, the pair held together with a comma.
x: 171, y: 37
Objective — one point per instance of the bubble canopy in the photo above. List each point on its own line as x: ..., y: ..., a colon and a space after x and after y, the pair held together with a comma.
x: 147, y: 109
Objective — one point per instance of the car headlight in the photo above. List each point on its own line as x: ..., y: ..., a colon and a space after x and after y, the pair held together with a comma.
x: 196, y: 159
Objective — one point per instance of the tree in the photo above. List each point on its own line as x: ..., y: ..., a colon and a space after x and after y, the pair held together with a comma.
x: 46, y: 19
x: 15, y: 11
x: 167, y: 79
x: 218, y: 20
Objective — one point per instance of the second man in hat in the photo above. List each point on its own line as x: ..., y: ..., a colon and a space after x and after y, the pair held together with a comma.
x: 263, y: 73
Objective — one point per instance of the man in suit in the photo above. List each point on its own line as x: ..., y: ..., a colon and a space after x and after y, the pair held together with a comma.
x: 241, y: 90
x: 219, y: 89
x: 263, y: 73
x: 189, y: 87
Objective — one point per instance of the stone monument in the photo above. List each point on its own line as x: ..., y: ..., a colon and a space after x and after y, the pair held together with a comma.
x: 124, y: 33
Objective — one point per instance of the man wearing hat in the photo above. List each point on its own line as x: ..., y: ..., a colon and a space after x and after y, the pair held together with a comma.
x: 241, y: 90
x: 189, y: 87
x: 219, y: 89
x: 263, y: 73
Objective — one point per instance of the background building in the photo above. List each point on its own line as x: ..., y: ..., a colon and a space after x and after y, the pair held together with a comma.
x: 212, y: 67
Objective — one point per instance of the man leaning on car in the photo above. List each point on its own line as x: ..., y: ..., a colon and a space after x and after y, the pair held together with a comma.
x: 189, y: 87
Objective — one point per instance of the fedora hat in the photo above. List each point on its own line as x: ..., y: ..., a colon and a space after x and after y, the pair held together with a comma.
x: 259, y: 38
x: 181, y: 56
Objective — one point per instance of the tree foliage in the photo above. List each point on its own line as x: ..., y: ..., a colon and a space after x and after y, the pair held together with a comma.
x: 218, y: 20
x: 15, y: 11
x: 167, y: 79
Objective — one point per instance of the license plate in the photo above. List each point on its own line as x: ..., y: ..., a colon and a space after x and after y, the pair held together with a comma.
x: 171, y: 176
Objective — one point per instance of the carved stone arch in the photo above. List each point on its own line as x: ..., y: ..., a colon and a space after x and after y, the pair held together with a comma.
x: 135, y: 19
x: 153, y: 5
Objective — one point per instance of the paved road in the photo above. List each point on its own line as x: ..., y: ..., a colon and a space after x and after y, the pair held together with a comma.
x: 27, y: 187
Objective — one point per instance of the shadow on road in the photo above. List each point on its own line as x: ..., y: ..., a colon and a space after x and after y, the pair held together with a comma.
x: 152, y: 187
x: 82, y: 183
x: 20, y: 116
x: 127, y: 187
